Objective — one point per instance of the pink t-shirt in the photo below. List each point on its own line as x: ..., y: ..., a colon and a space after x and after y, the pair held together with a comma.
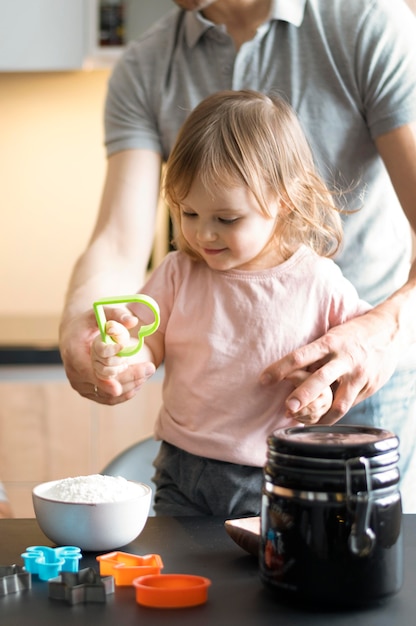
x: 221, y: 330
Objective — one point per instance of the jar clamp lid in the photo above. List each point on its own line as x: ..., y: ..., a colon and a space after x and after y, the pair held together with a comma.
x: 331, y: 505
x: 327, y: 463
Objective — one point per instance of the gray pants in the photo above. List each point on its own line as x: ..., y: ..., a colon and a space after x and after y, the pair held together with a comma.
x: 192, y: 485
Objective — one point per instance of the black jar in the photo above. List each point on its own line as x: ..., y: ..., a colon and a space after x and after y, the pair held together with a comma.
x: 331, y: 515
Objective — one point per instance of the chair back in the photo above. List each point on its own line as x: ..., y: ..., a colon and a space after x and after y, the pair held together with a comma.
x: 136, y: 463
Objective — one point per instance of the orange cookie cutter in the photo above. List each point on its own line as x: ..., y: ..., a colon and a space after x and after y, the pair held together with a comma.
x: 171, y: 590
x: 125, y: 567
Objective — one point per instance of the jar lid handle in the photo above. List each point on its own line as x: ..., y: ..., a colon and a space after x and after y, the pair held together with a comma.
x: 362, y: 538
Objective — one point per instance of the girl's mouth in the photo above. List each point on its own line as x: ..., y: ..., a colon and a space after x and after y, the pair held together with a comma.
x: 212, y: 251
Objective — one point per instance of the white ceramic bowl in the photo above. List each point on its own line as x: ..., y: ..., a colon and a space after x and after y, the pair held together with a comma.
x: 91, y: 526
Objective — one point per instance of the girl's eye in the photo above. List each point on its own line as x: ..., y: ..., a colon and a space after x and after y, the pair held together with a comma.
x: 231, y: 220
x: 187, y: 214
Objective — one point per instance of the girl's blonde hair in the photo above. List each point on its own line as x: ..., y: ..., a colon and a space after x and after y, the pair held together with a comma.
x: 247, y: 138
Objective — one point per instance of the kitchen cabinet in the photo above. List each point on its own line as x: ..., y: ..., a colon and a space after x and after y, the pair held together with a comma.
x: 62, y: 35
x: 42, y: 35
x: 48, y: 431
x: 138, y: 17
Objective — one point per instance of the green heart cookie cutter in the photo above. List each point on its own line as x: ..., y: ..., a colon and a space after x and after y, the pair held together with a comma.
x: 144, y: 331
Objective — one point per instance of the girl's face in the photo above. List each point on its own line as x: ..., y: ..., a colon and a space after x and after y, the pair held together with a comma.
x: 227, y: 228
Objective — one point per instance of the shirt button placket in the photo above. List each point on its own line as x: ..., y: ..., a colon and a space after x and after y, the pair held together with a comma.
x: 227, y: 61
x: 243, y: 75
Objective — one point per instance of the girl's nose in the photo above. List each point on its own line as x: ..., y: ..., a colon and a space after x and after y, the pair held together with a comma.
x: 205, y: 233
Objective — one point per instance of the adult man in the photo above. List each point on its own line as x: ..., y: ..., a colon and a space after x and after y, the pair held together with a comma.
x: 348, y: 70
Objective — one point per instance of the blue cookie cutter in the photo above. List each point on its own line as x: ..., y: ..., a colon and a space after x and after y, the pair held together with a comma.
x: 48, y: 562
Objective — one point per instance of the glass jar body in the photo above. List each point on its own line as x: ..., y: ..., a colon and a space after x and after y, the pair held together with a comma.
x: 337, y: 545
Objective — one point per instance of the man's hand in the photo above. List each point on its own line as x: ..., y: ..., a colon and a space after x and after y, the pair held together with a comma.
x: 76, y: 339
x: 111, y: 369
x: 359, y: 356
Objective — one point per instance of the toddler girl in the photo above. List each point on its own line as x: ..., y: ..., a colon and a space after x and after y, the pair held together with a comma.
x: 251, y: 280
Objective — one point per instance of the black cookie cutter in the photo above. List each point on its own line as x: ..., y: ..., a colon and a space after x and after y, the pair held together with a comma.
x: 13, y: 579
x: 81, y: 587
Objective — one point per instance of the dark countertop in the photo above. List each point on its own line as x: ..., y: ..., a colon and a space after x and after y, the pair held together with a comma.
x: 29, y: 355
x: 29, y: 339
x: 191, y: 545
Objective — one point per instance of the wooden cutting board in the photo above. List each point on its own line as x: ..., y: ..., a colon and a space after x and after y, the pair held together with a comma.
x: 245, y: 532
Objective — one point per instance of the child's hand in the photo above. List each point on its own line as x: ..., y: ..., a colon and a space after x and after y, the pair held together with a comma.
x: 104, y: 360
x: 312, y: 413
x: 108, y: 366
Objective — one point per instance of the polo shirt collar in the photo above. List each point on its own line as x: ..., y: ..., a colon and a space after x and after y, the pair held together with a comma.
x: 291, y: 11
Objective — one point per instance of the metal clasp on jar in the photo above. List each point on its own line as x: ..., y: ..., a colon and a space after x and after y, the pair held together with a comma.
x: 362, y: 538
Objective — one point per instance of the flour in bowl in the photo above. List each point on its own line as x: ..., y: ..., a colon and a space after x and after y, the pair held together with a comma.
x: 94, y: 489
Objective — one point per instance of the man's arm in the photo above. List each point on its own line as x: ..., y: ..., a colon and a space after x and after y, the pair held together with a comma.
x: 114, y: 263
x: 362, y: 354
